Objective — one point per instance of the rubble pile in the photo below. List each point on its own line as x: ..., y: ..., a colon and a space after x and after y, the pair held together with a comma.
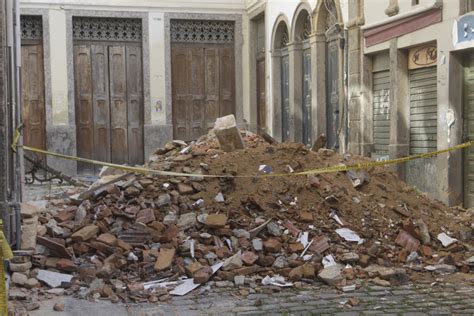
x: 144, y: 237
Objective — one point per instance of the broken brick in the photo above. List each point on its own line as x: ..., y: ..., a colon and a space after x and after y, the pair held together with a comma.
x: 85, y: 233
x: 107, y: 239
x: 216, y: 220
x: 320, y: 244
x: 165, y: 259
x: 407, y: 241
x: 272, y: 245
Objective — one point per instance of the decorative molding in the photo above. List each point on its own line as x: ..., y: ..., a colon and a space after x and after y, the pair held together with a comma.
x: 202, y: 31
x: 31, y: 27
x: 106, y: 29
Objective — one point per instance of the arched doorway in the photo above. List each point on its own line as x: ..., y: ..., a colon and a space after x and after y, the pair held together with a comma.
x: 281, y: 79
x: 302, y: 30
x: 330, y: 36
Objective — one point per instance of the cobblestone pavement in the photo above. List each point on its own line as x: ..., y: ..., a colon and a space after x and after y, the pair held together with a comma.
x: 446, y: 299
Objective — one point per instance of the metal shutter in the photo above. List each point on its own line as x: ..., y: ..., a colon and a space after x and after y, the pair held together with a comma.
x: 381, y: 103
x: 469, y: 125
x: 423, y: 110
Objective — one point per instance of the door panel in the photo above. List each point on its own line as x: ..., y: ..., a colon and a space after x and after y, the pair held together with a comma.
x: 198, y: 92
x: 227, y: 82
x: 100, y: 97
x: 180, y: 82
x: 135, y: 105
x: 83, y: 103
x: 32, y: 80
x: 332, y: 94
x: 285, y: 97
x: 306, y: 111
x: 261, y: 97
x: 212, y: 87
x: 118, y: 105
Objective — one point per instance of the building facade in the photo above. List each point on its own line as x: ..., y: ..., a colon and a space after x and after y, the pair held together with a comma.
x: 415, y: 96
x: 113, y: 80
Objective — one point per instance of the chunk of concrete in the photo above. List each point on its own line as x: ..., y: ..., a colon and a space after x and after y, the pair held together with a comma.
x: 228, y: 134
x: 53, y: 279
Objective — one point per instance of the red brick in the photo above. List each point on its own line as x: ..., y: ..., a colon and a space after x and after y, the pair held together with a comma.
x: 272, y: 245
x: 320, y: 244
x: 407, y: 241
x: 249, y: 258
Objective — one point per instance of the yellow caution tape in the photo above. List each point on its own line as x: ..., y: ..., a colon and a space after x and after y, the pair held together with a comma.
x: 330, y: 169
x: 5, y: 254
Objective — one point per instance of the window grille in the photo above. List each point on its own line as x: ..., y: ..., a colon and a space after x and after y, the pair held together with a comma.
x: 285, y: 39
x: 307, y: 27
x: 31, y: 27
x: 196, y: 31
x: 107, y: 29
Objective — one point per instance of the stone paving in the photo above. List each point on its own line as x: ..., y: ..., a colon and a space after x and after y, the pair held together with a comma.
x: 446, y: 299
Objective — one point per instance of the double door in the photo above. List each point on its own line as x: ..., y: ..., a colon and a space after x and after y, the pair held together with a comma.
x: 203, y: 85
x: 109, y: 102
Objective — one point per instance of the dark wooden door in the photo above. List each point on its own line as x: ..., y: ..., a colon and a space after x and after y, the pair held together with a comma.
x: 109, y: 103
x: 203, y: 85
x: 285, y: 97
x: 332, y: 94
x: 306, y: 110
x: 32, y: 93
x: 261, y: 97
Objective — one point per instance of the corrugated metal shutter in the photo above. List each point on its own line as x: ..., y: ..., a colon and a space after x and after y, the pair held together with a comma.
x: 469, y: 125
x: 423, y: 110
x: 381, y: 102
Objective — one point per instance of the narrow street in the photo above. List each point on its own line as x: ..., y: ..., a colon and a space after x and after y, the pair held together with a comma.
x: 440, y: 299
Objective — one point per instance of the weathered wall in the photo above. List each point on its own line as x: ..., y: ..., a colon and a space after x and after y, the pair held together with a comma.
x: 157, y: 95
x: 441, y: 176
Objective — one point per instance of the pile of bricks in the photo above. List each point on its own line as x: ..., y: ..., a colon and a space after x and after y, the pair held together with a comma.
x: 130, y: 229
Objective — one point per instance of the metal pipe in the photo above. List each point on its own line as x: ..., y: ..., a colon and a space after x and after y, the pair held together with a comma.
x: 17, y: 208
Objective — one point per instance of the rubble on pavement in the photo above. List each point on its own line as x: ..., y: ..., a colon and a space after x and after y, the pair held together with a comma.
x: 143, y: 237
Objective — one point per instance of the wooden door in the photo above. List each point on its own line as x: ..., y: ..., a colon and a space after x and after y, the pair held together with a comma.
x: 100, y: 102
x: 84, y: 106
x: 135, y: 105
x: 306, y: 104
x: 109, y: 103
x: 32, y: 94
x: 332, y: 94
x: 469, y: 130
x: 261, y: 97
x: 285, y: 97
x: 203, y: 85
